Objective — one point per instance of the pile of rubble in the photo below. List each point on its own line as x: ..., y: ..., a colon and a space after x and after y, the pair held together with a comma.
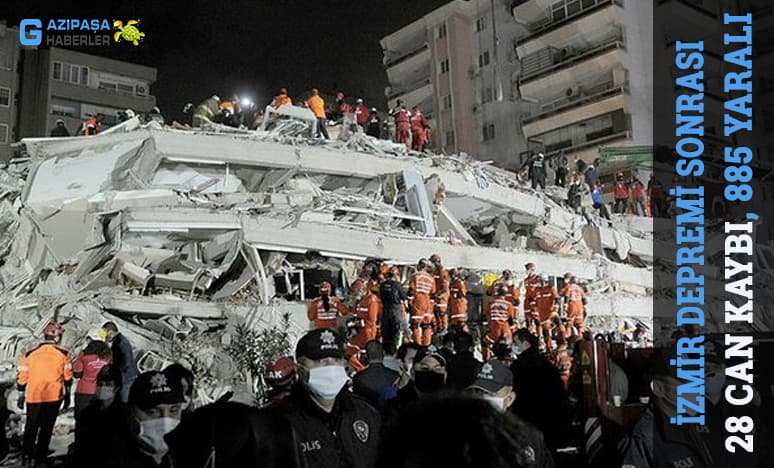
x: 181, y: 236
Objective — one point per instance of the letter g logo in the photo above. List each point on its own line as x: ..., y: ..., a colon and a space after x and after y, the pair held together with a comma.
x: 30, y: 32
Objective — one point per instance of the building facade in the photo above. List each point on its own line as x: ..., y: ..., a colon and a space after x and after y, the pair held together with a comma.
x: 585, y: 75
x: 73, y: 86
x: 456, y: 63
x: 9, y: 84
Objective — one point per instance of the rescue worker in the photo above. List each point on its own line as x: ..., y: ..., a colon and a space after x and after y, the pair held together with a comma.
x: 342, y: 106
x: 317, y: 106
x: 574, y: 302
x: 620, y: 193
x: 280, y: 375
x: 656, y: 197
x: 599, y: 202
x: 537, y: 172
x: 154, y: 115
x: 281, y: 99
x: 441, y: 297
x: 402, y: 124
x: 335, y: 427
x: 512, y: 289
x: 418, y: 130
x: 368, y: 313
x: 561, y: 170
x: 458, y: 301
x: 325, y: 309
x: 206, y: 111
x: 563, y: 361
x: 590, y: 173
x: 123, y: 357
x: 91, y: 126
x: 44, y: 379
x: 547, y: 304
x: 530, y: 283
x: 374, y: 124
x: 230, y: 112
x: 638, y: 196
x: 60, y: 130
x: 87, y: 365
x: 499, y: 317
x: 361, y: 113
x: 421, y: 290
x: 393, y: 308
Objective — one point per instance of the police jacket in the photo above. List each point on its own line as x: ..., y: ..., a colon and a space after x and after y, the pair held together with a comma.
x: 347, y: 437
x: 123, y: 358
x: 391, y: 293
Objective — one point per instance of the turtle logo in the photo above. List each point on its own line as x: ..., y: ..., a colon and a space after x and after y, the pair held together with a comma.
x: 128, y: 32
x: 486, y: 370
x: 361, y: 430
x: 327, y: 337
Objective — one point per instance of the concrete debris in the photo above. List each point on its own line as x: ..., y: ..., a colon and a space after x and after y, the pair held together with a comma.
x: 182, y: 235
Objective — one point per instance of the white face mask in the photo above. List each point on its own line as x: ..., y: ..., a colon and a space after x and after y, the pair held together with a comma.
x: 152, y: 433
x: 105, y: 393
x: 326, y: 382
x: 497, y: 403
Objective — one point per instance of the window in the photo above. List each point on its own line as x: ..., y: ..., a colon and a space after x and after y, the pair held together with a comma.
x: 446, y: 102
x: 449, y: 140
x: 444, y: 66
x: 481, y: 24
x: 487, y: 95
x: 442, y: 31
x: 489, y: 132
x: 107, y: 86
x: 75, y: 74
x: 5, y: 97
x: 567, y: 8
x: 85, y: 76
x: 6, y: 52
x: 483, y: 59
x: 124, y: 88
x: 3, y: 133
x: 57, y: 70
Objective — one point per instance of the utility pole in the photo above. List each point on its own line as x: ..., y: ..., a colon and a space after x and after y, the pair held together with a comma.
x: 498, y: 85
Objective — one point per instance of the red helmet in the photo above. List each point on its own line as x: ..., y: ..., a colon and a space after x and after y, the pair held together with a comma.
x: 325, y: 287
x: 53, y: 329
x: 436, y: 259
x: 280, y: 371
x: 422, y: 263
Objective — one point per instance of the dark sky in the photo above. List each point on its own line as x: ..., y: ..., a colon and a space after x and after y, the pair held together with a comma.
x: 205, y: 47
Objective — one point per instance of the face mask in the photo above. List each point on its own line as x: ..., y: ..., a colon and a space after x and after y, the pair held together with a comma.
x: 105, y: 393
x: 516, y: 349
x: 428, y: 381
x: 713, y: 384
x: 152, y: 433
x: 326, y: 382
x: 497, y: 402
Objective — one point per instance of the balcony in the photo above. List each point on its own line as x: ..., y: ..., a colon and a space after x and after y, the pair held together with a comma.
x: 396, y: 91
x: 392, y: 61
x: 410, y: 68
x: 580, y: 104
x: 548, y: 25
x: 415, y: 96
x: 530, y: 11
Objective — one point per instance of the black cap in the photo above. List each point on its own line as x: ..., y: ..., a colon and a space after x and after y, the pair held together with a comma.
x: 155, y: 388
x: 493, y: 376
x: 320, y: 344
x: 430, y: 351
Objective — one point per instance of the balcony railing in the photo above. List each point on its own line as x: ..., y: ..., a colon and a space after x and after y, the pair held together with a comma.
x: 586, y: 7
x: 550, y: 60
x: 391, y: 62
x: 401, y: 90
x: 580, y: 97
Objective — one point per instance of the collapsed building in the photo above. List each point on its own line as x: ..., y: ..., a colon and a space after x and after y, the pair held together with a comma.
x: 185, y: 236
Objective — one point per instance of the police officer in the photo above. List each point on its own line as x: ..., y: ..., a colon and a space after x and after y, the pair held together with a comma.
x: 393, y: 298
x: 537, y: 172
x: 44, y: 379
x: 335, y: 427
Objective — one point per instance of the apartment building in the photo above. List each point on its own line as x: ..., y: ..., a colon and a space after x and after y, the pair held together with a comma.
x: 9, y: 83
x: 72, y: 86
x: 456, y: 63
x: 585, y: 79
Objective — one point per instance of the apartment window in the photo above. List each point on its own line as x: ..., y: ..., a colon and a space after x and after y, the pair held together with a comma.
x: 481, y: 24
x: 483, y: 59
x: 446, y: 102
x: 449, y: 140
x: 489, y: 132
x: 487, y: 95
x: 444, y: 66
x: 70, y: 73
x: 442, y: 31
x: 107, y: 86
x: 124, y: 88
x: 3, y: 133
x: 567, y: 8
x: 5, y: 97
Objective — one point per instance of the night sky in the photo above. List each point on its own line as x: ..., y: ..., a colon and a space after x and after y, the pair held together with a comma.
x: 205, y: 47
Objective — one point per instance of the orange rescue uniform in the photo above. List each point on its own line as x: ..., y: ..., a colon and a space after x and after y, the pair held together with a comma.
x: 317, y: 106
x: 326, y: 318
x: 512, y: 292
x: 423, y: 286
x: 458, y: 304
x: 44, y: 371
x: 546, y: 303
x: 368, y: 313
x: 530, y: 295
x: 442, y: 282
x: 281, y: 100
x: 498, y: 313
x: 575, y: 298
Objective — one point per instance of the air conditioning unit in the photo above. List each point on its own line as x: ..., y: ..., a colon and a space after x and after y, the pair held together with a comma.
x: 141, y: 90
x: 572, y: 92
x: 565, y: 52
